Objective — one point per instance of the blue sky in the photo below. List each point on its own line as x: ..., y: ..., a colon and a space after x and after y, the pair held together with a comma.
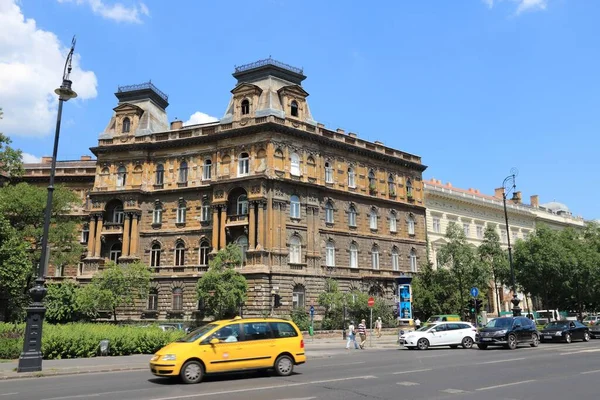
x: 475, y: 87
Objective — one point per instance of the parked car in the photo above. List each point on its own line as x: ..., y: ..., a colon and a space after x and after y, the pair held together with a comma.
x: 595, y: 330
x: 451, y: 334
x: 441, y: 318
x: 565, y: 331
x: 508, y: 332
x: 591, y: 320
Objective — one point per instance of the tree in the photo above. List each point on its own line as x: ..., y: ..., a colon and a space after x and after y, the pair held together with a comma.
x: 118, y: 285
x: 222, y: 290
x: 494, y: 260
x: 61, y: 302
x: 432, y: 292
x: 15, y: 271
x: 11, y: 163
x: 332, y: 301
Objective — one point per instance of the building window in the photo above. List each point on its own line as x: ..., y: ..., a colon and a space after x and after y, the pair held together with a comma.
x: 393, y: 220
x: 351, y: 178
x: 298, y: 297
x: 479, y: 232
x: 395, y: 259
x: 295, y: 164
x: 372, y: 180
x: 160, y: 174
x: 204, y: 250
x: 503, y: 234
x: 353, y: 255
x: 245, y: 107
x: 180, y: 254
x: 413, y: 260
x: 155, y: 255
x: 375, y: 257
x: 243, y: 164
x: 157, y: 214
x: 467, y: 229
x: 436, y: 225
x: 121, y: 176
x: 328, y: 173
x: 242, y: 204
x: 118, y: 215
x: 242, y: 242
x: 181, y: 211
x: 295, y: 207
x: 391, y: 185
x: 330, y: 254
x: 411, y: 225
x: 515, y: 236
x: 207, y: 170
x: 409, y: 188
x: 205, y: 216
x: 328, y: 213
x: 294, y: 108
x: 352, y: 216
x: 126, y: 125
x: 373, y: 219
x: 153, y: 299
x: 85, y: 233
x: 177, y: 299
x: 295, y: 250
x: 183, y: 172
x: 115, y: 253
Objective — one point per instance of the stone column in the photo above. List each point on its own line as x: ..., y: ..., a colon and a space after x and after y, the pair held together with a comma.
x: 222, y: 241
x: 92, y: 236
x: 134, y: 235
x: 252, y: 226
x: 98, y: 237
x: 270, y: 224
x: 126, y: 236
x: 260, y: 226
x: 215, y: 229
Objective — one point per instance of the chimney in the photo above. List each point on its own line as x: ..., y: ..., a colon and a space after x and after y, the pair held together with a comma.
x: 46, y: 160
x: 320, y: 125
x: 86, y: 158
x: 449, y: 184
x: 535, y: 201
x: 339, y: 130
x: 175, y: 125
x: 517, y: 198
x: 352, y: 134
x: 498, y: 192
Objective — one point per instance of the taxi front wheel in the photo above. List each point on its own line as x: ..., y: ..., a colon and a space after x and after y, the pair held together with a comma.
x: 284, y: 365
x: 192, y: 372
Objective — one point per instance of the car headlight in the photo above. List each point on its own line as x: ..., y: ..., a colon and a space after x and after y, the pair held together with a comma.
x: 559, y: 333
x: 169, y: 357
x: 502, y: 332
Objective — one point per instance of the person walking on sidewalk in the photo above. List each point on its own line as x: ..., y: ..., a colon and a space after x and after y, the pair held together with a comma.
x: 417, y: 323
x: 378, y: 325
x: 362, y: 332
x: 351, y: 336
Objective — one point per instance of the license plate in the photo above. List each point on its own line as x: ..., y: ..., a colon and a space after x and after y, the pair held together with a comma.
x: 485, y: 339
x: 547, y: 337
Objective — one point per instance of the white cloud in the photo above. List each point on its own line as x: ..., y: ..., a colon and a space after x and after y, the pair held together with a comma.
x: 490, y: 3
x: 31, y: 66
x: 199, y: 118
x: 522, y: 5
x: 30, y: 158
x: 117, y: 11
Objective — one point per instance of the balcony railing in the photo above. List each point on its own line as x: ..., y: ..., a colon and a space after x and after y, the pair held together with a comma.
x: 237, y: 218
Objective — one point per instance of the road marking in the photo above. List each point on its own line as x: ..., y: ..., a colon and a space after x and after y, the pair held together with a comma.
x: 500, y: 361
x: 9, y: 394
x: 452, y: 391
x: 580, y: 351
x: 504, y: 385
x: 339, y: 365
x: 301, y: 398
x: 410, y: 372
x: 408, y: 383
x: 81, y: 396
x: 590, y: 372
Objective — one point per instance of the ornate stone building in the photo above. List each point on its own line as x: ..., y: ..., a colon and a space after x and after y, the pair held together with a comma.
x: 303, y: 202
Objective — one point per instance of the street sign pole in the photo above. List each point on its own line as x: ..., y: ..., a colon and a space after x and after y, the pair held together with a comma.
x: 371, y: 335
x: 312, y: 328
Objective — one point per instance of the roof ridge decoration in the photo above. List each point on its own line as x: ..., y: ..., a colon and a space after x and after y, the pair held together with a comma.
x: 141, y: 86
x: 268, y: 61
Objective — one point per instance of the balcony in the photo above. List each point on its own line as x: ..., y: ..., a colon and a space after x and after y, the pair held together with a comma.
x: 237, y: 219
x: 112, y: 228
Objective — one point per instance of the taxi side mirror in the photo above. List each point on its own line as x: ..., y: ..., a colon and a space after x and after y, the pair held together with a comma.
x: 214, y: 341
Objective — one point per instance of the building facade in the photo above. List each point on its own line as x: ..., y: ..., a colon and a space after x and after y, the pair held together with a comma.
x: 304, y: 203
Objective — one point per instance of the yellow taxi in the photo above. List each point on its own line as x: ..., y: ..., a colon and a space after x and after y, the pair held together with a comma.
x: 232, y: 345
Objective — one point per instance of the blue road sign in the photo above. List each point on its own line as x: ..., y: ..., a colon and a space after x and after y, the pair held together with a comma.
x: 474, y: 292
x: 312, y: 310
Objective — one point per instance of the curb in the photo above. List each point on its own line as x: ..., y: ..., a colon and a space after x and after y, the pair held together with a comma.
x: 42, y: 374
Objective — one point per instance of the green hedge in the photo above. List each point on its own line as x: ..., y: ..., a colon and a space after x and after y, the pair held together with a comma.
x: 83, y: 340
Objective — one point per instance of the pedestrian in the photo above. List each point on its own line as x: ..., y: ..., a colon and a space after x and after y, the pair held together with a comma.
x: 417, y: 323
x: 351, y: 336
x: 378, y: 325
x: 362, y: 332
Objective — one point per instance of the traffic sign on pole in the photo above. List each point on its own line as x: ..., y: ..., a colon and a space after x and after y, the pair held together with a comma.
x: 371, y: 302
x: 312, y: 311
x: 474, y: 292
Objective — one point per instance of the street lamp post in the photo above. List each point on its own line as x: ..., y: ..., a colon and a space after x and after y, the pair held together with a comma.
x: 31, y: 357
x: 505, y: 190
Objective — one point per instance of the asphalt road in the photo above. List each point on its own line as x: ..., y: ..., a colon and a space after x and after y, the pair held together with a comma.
x: 551, y: 371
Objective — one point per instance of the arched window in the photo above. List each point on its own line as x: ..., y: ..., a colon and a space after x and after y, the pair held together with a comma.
x: 294, y: 207
x: 295, y: 250
x: 242, y: 242
x: 243, y: 164
x: 411, y: 225
x: 294, y: 108
x: 353, y: 255
x: 242, y: 204
x: 121, y: 176
x: 118, y: 215
x: 395, y: 259
x: 328, y: 173
x: 409, y: 188
x: 330, y: 254
x: 126, y: 125
x: 298, y: 297
x: 413, y: 261
x: 177, y: 299
x: 391, y: 185
x: 115, y: 252
x: 329, y: 213
x: 372, y: 180
x: 155, y: 255
x: 393, y: 220
x: 351, y: 178
x: 294, y: 164
x: 373, y: 219
x: 157, y: 214
x: 203, y: 253
x: 207, y: 170
x: 375, y: 257
x: 153, y: 299
x: 160, y: 174
x: 352, y: 216
x: 245, y: 107
x: 181, y: 212
x: 180, y: 254
x: 183, y: 172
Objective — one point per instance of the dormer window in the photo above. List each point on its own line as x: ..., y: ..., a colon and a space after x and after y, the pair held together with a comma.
x: 126, y: 125
x: 294, y: 108
x: 245, y: 107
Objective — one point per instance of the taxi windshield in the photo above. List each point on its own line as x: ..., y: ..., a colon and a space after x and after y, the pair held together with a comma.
x: 197, y: 334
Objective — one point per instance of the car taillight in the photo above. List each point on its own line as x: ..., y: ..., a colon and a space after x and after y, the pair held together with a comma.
x: 301, y: 343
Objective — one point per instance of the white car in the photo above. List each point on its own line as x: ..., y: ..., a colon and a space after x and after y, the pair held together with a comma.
x: 451, y: 334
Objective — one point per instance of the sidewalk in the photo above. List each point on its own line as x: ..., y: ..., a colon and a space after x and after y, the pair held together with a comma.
x: 323, y: 347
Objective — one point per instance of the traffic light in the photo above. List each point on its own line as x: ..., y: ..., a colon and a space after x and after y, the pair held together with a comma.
x: 472, y: 305
x: 479, y: 306
x: 277, y: 301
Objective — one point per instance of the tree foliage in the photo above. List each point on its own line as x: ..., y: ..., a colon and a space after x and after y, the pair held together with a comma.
x: 494, y: 259
x: 61, y: 302
x: 11, y: 162
x: 222, y: 290
x: 432, y: 292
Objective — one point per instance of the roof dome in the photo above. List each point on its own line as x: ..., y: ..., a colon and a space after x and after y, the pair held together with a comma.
x: 556, y: 207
